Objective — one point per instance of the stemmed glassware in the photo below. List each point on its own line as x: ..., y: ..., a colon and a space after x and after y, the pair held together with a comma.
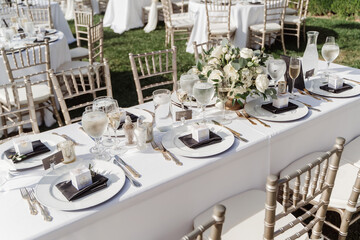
x: 223, y: 90
x: 187, y: 82
x: 94, y: 121
x: 276, y: 68
x: 330, y: 51
x: 294, y: 71
x: 203, y: 92
x: 107, y: 104
x: 114, y: 117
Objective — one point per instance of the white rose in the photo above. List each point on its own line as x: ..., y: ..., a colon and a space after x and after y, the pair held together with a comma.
x: 246, y: 53
x: 215, y: 75
x: 224, y: 49
x: 256, y: 60
x: 227, y: 57
x: 214, y: 61
x: 230, y: 72
x: 216, y: 53
x: 262, y: 82
x: 205, y: 70
x: 259, y: 70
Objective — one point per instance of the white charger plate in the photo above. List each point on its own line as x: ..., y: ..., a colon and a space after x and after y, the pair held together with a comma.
x: 254, y: 109
x: 317, y: 82
x: 173, y: 144
x: 187, y: 103
x: 48, y: 194
x: 50, y: 140
x: 147, y: 117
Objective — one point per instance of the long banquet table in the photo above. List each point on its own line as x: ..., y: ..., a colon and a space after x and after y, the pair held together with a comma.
x: 171, y: 196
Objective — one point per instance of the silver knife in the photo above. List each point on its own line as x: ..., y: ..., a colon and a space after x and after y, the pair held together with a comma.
x: 128, y: 167
x: 131, y: 179
x: 177, y: 161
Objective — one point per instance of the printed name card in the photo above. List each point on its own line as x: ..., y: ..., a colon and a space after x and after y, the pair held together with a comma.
x: 310, y: 73
x: 186, y: 114
x: 55, y: 158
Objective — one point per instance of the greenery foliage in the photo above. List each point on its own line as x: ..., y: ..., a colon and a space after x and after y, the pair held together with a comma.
x: 344, y: 8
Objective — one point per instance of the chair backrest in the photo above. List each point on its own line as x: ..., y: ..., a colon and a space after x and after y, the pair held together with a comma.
x: 167, y: 11
x: 216, y: 223
x: 9, y: 9
x: 320, y: 184
x: 39, y: 13
x: 350, y: 210
x: 274, y: 12
x: 303, y: 9
x: 205, y: 46
x: 96, y: 43
x: 11, y: 110
x: 83, y: 20
x: 83, y: 5
x: 152, y: 65
x: 32, y: 60
x: 294, y: 4
x: 77, y: 88
x: 218, y: 13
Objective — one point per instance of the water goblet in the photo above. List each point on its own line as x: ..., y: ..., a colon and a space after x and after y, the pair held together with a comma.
x: 276, y: 68
x: 223, y: 90
x: 203, y: 92
x: 187, y: 82
x: 94, y: 123
x: 294, y: 71
x: 330, y: 51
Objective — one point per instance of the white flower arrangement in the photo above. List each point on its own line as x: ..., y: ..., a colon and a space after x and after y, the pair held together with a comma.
x: 244, y: 68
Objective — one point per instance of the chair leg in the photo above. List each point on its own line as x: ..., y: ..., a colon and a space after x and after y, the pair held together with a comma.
x: 304, y: 30
x: 172, y: 38
x: 56, y: 112
x: 263, y: 40
x: 283, y: 42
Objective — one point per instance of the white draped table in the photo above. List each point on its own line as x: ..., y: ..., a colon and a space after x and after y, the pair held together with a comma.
x: 69, y: 8
x: 60, y: 22
x: 122, y: 15
x: 242, y: 15
x: 171, y: 196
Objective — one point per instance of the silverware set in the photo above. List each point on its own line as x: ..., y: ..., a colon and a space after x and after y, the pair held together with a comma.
x: 166, y: 154
x: 235, y: 133
x: 29, y: 195
x: 132, y: 180
x: 313, y: 95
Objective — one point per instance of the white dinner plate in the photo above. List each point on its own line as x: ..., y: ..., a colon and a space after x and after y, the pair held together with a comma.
x: 254, y: 109
x: 318, y: 82
x: 50, y: 140
x: 146, y: 116
x: 48, y: 194
x: 187, y: 103
x: 172, y: 143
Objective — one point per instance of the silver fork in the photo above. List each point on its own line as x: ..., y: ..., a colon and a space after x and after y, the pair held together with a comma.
x: 43, y: 209
x: 25, y: 195
x: 156, y: 148
x: 177, y: 161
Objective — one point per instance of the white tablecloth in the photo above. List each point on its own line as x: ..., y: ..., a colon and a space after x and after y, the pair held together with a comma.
x: 171, y: 196
x: 242, y: 16
x: 69, y: 8
x: 122, y: 15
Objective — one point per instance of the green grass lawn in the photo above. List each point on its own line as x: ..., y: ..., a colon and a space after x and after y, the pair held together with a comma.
x: 117, y: 48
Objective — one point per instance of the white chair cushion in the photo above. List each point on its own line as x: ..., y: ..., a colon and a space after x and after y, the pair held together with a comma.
x: 244, y: 217
x: 221, y: 28
x: 344, y: 180
x: 73, y: 65
x: 181, y: 21
x: 291, y: 11
x: 41, y: 93
x: 291, y: 19
x: 270, y: 27
x: 79, y: 52
x: 351, y: 152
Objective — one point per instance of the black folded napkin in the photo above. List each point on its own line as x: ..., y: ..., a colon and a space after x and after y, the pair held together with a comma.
x: 37, y: 41
x: 269, y: 107
x: 344, y: 88
x: 133, y: 117
x: 191, y: 143
x: 255, y: 3
x: 71, y: 193
x: 38, y: 148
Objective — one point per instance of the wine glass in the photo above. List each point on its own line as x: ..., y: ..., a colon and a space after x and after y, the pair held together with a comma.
x: 294, y: 71
x: 203, y: 92
x: 276, y: 68
x: 94, y: 121
x: 223, y: 90
x: 107, y: 104
x: 114, y: 117
x: 330, y: 51
x: 187, y: 82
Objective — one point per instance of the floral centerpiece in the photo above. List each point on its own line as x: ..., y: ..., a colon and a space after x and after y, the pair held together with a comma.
x: 243, y: 68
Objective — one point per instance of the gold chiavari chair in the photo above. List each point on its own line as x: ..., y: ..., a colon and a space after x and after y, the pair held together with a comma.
x: 294, y: 22
x: 83, y: 20
x: 245, y: 212
x: 83, y: 5
x: 39, y: 13
x: 218, y: 14
x: 206, y: 46
x: 272, y: 27
x: 33, y: 61
x: 292, y: 7
x: 177, y: 25
x: 16, y: 100
x: 181, y: 4
x: 215, y: 223
x: 78, y: 87
x: 154, y: 65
